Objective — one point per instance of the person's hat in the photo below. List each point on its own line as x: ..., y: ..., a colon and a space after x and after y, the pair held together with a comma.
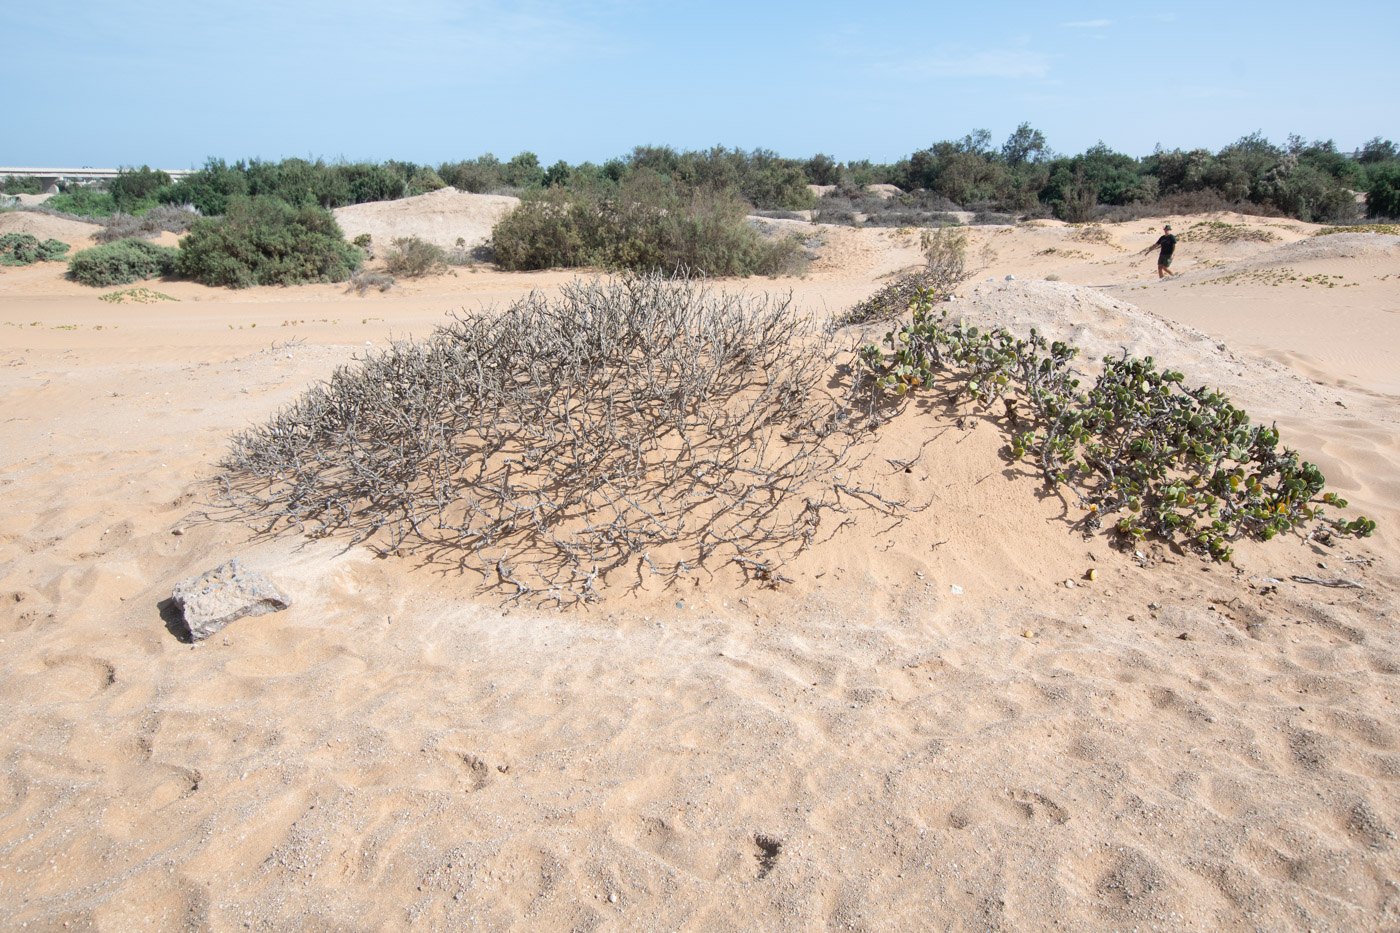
x: 1167, y: 227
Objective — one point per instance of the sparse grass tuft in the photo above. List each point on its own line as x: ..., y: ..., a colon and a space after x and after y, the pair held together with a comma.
x: 411, y: 257
x: 362, y: 282
x: 1215, y: 231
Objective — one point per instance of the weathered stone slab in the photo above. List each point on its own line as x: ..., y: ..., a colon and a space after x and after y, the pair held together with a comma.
x: 228, y: 592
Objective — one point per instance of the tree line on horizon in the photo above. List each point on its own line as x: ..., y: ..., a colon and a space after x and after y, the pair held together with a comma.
x: 1309, y: 181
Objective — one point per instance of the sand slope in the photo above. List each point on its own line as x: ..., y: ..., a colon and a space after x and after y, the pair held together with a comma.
x: 441, y: 217
x: 1176, y: 745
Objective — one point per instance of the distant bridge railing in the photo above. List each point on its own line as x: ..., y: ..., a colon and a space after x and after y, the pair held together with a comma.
x: 49, y: 177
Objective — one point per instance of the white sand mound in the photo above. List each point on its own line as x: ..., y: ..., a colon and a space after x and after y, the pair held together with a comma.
x: 45, y: 226
x: 1101, y: 325
x: 1337, y: 246
x: 440, y: 217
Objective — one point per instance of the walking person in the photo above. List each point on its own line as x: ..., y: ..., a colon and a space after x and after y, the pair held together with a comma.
x: 1167, y: 243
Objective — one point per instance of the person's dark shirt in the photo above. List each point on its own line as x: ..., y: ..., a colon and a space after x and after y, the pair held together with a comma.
x: 1168, y: 243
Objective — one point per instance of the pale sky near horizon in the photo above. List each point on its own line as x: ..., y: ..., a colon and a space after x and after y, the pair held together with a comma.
x: 170, y: 83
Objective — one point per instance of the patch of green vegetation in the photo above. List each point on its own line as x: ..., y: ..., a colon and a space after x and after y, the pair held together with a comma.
x: 648, y: 223
x: 411, y: 257
x: 1216, y: 231
x: 84, y: 202
x: 1386, y: 229
x: 262, y: 241
x: 123, y: 262
x: 142, y: 295
x: 21, y: 184
x: 1182, y: 464
x: 22, y: 249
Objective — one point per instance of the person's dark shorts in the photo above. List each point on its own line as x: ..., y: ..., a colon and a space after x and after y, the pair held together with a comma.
x: 1165, y: 262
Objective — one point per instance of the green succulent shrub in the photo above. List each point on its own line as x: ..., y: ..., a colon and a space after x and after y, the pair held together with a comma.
x: 262, y: 241
x: 411, y: 257
x: 1136, y: 449
x: 22, y: 249
x: 123, y: 262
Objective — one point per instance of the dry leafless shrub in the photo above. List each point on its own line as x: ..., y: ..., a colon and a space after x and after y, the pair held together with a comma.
x: 153, y: 223
x: 362, y: 282
x: 638, y: 424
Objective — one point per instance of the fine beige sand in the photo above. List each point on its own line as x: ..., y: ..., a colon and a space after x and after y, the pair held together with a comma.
x: 937, y: 723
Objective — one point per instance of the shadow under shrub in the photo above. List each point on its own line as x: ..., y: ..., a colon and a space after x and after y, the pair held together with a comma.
x: 648, y: 224
x: 123, y: 262
x: 261, y: 241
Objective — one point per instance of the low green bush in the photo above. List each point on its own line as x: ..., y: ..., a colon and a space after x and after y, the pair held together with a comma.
x: 21, y: 249
x: 412, y: 257
x: 123, y: 262
x: 262, y: 241
x: 646, y: 225
x: 87, y: 203
x: 1181, y: 464
x: 21, y: 184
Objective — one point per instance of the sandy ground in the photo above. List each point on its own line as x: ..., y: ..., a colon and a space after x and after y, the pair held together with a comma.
x: 939, y: 723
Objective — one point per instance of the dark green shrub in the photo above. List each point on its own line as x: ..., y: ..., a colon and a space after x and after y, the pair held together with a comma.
x: 21, y: 249
x: 123, y: 262
x: 21, y: 184
x: 135, y: 189
x: 478, y: 176
x: 208, y: 189
x: 261, y: 241
x: 424, y: 180
x: 411, y: 257
x: 1383, y: 190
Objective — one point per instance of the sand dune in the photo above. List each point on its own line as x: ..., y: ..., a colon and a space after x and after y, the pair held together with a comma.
x: 1174, y: 745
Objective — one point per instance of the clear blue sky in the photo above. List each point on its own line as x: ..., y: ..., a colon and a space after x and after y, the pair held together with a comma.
x: 169, y: 83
